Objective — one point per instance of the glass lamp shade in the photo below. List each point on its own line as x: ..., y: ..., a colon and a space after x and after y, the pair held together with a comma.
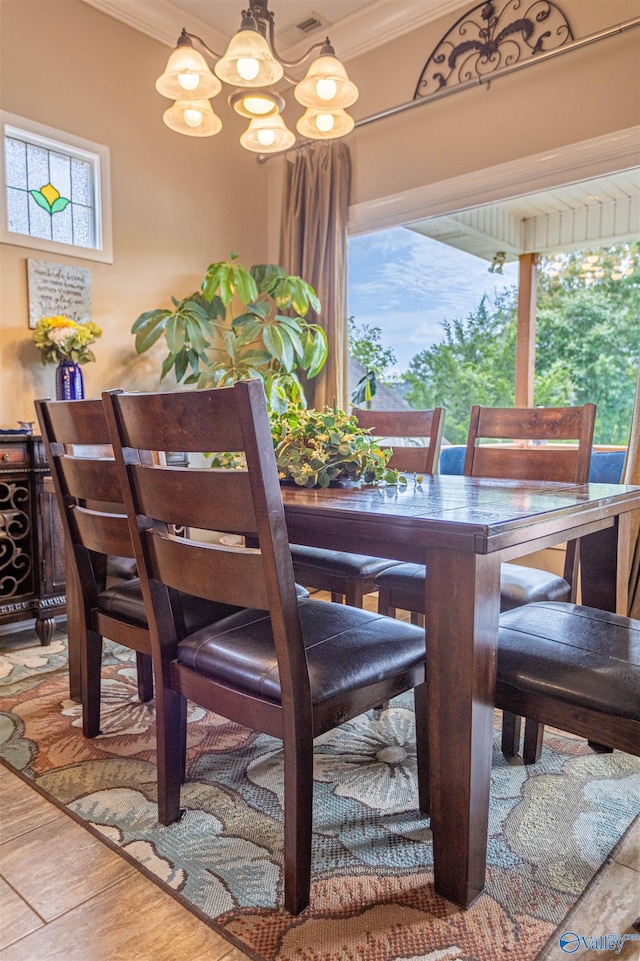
x: 324, y: 124
x: 267, y: 135
x: 326, y: 85
x: 249, y: 61
x: 195, y: 118
x: 187, y: 75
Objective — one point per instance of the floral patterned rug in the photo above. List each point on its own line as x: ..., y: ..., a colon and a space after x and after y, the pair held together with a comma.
x: 551, y: 826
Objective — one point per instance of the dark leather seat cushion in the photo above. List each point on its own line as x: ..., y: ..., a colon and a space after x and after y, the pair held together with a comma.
x: 124, y: 600
x: 518, y: 584
x: 574, y: 654
x: 306, y: 559
x: 124, y: 568
x: 347, y: 648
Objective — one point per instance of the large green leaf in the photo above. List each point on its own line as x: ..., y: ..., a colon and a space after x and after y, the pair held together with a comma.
x: 40, y: 200
x: 175, y: 333
x: 292, y: 336
x: 244, y: 284
x: 58, y: 205
x: 196, y: 336
x: 274, y: 342
x: 149, y: 333
x: 319, y: 354
x: 166, y: 366
x: 148, y: 315
x: 261, y: 308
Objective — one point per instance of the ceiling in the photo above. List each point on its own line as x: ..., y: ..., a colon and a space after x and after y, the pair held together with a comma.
x: 585, y: 214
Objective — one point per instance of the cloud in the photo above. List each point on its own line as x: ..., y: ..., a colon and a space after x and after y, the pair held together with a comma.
x: 407, y: 284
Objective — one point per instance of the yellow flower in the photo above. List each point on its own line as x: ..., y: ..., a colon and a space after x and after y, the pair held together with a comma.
x: 50, y: 193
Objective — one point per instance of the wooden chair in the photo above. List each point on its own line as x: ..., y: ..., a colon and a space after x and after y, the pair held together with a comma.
x: 85, y: 478
x: 351, y: 576
x: 271, y: 667
x: 403, y: 586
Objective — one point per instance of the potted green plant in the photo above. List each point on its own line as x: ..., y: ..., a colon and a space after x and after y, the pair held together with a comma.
x: 241, y: 325
x: 315, y: 448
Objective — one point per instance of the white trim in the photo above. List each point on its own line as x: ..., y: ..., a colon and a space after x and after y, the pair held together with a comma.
x: 95, y: 154
x: 570, y: 164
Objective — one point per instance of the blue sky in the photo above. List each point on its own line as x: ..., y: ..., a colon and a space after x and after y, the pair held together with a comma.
x: 407, y: 284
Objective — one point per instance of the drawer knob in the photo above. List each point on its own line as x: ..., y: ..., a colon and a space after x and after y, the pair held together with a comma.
x: 6, y: 455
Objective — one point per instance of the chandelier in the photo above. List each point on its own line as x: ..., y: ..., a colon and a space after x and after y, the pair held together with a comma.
x: 252, y: 64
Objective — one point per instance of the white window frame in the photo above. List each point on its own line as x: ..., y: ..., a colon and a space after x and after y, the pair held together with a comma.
x: 96, y: 155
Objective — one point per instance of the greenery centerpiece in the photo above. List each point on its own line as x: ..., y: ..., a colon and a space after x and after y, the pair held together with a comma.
x: 317, y: 447
x: 242, y: 324
x: 60, y: 338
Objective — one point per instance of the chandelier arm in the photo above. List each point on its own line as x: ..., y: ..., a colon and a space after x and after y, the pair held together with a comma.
x: 291, y: 63
x: 211, y: 53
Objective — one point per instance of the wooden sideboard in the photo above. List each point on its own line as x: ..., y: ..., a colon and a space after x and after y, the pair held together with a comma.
x: 32, y: 568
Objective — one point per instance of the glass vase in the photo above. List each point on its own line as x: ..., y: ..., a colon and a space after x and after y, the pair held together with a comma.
x: 69, y: 381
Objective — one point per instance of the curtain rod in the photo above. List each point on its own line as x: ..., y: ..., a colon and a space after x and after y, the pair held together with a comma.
x: 469, y: 84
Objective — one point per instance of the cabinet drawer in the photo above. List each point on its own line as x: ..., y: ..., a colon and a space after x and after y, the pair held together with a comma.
x: 13, y: 455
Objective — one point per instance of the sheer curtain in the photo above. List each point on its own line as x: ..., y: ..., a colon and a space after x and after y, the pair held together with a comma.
x: 313, y: 245
x: 631, y: 475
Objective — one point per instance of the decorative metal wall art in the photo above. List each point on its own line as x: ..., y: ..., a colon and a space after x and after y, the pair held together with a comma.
x: 484, y: 41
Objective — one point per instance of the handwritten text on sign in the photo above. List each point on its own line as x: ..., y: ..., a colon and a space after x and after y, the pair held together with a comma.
x: 58, y: 289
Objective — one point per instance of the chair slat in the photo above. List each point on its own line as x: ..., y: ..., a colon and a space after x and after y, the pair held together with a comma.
x: 101, y: 532
x: 535, y: 423
x: 189, y: 497
x: 230, y: 575
x: 90, y: 478
x: 77, y: 424
x: 547, y: 463
x: 145, y: 427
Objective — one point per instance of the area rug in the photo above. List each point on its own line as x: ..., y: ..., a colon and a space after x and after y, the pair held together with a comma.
x: 372, y: 899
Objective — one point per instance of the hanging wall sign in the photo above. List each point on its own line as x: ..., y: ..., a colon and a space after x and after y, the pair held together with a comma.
x: 58, y: 289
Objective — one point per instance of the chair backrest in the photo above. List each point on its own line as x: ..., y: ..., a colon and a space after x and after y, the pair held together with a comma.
x: 425, y: 424
x: 538, y: 461
x: 246, y: 502
x: 85, y: 478
x: 541, y: 460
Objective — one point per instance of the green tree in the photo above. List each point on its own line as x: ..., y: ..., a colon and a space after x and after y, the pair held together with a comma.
x: 365, y: 346
x: 587, y: 347
x: 474, y: 364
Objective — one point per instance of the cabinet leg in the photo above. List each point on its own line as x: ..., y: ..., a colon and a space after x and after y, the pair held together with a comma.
x: 45, y: 627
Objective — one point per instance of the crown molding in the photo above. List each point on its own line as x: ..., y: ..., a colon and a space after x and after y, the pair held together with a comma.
x: 379, y: 22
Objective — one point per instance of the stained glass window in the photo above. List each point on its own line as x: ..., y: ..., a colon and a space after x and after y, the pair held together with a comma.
x: 54, y: 190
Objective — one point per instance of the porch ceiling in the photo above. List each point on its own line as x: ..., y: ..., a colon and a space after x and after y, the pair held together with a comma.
x: 591, y: 213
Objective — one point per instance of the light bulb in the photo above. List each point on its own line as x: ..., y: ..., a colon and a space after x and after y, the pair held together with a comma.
x: 188, y: 80
x: 326, y: 88
x: 247, y: 67
x: 266, y: 137
x: 192, y: 118
x: 325, y: 122
x: 258, y: 106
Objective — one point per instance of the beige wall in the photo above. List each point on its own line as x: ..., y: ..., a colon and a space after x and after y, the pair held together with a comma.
x: 179, y: 203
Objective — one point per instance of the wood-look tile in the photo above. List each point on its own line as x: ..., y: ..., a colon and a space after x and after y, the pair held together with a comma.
x: 59, y: 865
x: 22, y: 808
x: 133, y: 919
x: 609, y: 907
x: 16, y: 917
x: 629, y: 851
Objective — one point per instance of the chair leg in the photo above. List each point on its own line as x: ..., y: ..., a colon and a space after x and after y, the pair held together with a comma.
x: 422, y: 748
x: 145, y: 676
x: 298, y: 815
x: 337, y: 598
x: 533, y: 735
x: 511, y: 728
x: 91, y: 674
x: 417, y: 619
x: 384, y: 603
x: 354, y: 593
x: 171, y: 749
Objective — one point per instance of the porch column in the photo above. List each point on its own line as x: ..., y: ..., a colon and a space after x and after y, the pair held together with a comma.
x: 526, y: 336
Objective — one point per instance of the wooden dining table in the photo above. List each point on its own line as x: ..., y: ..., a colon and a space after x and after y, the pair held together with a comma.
x: 463, y: 529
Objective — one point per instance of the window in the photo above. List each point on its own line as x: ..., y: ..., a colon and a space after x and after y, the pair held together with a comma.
x: 55, y: 191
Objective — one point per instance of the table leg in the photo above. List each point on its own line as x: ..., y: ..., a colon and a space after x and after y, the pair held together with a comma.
x: 463, y: 599
x: 604, y: 566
